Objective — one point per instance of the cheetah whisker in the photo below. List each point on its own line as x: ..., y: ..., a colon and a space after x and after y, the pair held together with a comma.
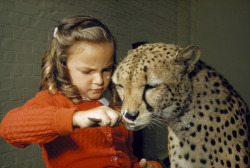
x: 156, y: 122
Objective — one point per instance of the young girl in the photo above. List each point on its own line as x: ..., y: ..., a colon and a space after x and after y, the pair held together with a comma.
x: 69, y: 118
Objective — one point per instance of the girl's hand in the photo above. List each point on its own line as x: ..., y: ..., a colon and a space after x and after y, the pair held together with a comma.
x: 103, y: 116
x: 144, y: 164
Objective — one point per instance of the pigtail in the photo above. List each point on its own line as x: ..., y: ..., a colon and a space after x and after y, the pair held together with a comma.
x: 55, y: 75
x: 48, y: 68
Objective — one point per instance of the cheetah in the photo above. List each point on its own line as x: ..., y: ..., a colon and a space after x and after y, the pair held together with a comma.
x: 207, y: 120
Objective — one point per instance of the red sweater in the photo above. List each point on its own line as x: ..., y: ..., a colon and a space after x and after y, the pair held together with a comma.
x: 47, y: 120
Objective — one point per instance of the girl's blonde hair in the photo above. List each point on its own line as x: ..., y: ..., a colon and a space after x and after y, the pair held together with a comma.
x: 55, y: 76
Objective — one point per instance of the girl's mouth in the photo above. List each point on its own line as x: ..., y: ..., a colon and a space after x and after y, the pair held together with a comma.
x: 97, y: 90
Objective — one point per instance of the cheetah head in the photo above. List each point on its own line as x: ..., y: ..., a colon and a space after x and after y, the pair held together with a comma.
x: 153, y: 84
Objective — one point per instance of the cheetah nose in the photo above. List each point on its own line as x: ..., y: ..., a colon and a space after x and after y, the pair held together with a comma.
x: 131, y: 115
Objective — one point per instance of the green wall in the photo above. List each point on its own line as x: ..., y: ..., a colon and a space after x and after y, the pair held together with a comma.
x: 221, y: 28
x: 26, y: 28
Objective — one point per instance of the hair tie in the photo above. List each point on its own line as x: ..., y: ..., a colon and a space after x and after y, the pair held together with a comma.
x: 55, y: 31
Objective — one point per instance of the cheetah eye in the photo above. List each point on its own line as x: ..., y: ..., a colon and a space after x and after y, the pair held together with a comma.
x: 119, y: 86
x: 148, y: 87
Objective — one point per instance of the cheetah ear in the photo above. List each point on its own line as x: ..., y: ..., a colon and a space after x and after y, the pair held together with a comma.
x: 189, y: 57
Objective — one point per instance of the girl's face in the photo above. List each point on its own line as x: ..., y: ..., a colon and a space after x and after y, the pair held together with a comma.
x: 90, y: 67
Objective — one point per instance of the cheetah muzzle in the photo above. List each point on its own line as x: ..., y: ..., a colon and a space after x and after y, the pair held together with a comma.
x: 206, y: 117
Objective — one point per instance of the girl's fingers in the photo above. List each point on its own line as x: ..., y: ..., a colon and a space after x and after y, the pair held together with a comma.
x: 117, y: 123
x: 143, y: 163
x: 94, y: 119
x: 104, y: 116
x: 115, y: 118
x: 105, y: 121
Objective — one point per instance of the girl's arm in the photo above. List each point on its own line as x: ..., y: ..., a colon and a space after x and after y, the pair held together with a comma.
x: 45, y: 117
x: 40, y: 120
x: 102, y: 116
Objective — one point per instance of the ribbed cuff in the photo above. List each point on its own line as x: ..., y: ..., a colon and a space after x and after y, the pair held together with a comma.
x: 63, y: 121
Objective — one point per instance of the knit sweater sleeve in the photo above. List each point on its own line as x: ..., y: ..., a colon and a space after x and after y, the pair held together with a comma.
x: 40, y: 120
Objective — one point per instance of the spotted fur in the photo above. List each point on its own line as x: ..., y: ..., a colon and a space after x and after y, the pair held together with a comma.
x: 206, y: 117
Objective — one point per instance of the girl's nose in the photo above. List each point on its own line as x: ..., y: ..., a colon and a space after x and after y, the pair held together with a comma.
x: 98, y: 79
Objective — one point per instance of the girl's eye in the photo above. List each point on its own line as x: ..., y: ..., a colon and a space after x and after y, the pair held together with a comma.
x: 107, y: 69
x: 86, y: 72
